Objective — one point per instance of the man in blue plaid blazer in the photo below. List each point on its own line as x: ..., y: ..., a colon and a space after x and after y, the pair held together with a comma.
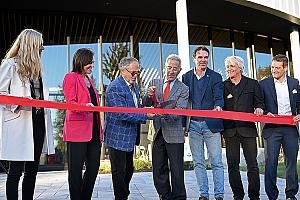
x: 121, y: 130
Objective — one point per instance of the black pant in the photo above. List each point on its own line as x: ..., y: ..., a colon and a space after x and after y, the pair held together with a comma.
x: 30, y: 167
x: 233, y: 159
x: 162, y: 153
x: 122, y: 171
x: 81, y: 187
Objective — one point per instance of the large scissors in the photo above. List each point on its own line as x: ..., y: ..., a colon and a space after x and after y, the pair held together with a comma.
x: 163, y: 104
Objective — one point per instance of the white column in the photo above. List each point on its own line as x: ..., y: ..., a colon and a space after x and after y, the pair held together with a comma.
x: 131, y: 46
x: 69, y: 54
x: 211, y: 45
x: 183, y: 35
x: 100, y: 70
x: 295, y: 48
x: 249, y: 59
x: 161, y: 58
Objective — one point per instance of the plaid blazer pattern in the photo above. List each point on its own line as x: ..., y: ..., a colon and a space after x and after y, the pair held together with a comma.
x: 121, y: 130
x: 171, y: 125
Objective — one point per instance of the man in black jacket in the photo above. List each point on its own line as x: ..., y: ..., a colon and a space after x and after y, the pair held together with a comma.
x: 241, y: 94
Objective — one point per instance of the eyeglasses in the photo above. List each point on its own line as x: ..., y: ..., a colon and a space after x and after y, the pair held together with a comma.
x: 175, y: 69
x: 133, y: 73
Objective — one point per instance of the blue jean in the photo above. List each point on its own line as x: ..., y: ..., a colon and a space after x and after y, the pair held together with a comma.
x: 198, y: 134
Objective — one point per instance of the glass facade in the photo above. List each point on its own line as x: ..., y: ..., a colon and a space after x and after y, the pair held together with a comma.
x: 152, y: 56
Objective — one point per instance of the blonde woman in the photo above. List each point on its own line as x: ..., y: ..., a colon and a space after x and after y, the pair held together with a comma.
x: 23, y: 129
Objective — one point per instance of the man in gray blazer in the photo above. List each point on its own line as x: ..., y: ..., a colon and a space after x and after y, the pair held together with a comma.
x: 168, y: 142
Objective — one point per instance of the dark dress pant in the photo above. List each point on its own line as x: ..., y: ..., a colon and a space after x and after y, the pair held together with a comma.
x: 30, y: 168
x: 249, y: 146
x: 166, y: 158
x: 122, y: 171
x: 287, y: 137
x: 80, y: 153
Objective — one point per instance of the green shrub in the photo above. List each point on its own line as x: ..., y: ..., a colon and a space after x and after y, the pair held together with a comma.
x: 139, y: 166
x: 142, y: 165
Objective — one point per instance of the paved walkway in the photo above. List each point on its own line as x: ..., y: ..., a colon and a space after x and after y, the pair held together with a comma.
x: 54, y: 186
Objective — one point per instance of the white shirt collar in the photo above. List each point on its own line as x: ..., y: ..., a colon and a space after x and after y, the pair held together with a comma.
x: 283, y: 82
x: 129, y: 85
x: 198, y: 77
x: 166, y: 81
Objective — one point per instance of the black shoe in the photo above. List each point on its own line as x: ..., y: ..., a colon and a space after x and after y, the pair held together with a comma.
x: 203, y: 198
x: 238, y: 198
x: 219, y: 198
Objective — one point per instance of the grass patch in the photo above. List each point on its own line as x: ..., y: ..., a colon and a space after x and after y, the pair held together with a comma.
x: 139, y: 166
x: 280, y: 169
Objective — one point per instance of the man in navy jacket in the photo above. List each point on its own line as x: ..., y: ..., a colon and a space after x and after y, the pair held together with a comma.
x: 205, y: 93
x: 281, y: 96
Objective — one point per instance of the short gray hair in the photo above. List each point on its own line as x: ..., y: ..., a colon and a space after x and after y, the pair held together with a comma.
x: 236, y: 61
x: 173, y: 57
x: 126, y: 61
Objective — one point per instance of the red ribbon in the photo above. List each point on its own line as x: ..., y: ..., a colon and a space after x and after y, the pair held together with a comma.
x: 277, y: 119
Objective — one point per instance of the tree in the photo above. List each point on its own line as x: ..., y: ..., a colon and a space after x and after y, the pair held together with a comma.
x: 59, y: 125
x: 263, y: 72
x: 111, y: 60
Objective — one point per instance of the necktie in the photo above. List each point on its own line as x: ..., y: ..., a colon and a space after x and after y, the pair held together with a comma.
x: 167, y: 91
x: 134, y: 97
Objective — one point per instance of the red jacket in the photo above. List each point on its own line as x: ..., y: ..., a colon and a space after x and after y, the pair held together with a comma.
x: 78, y: 124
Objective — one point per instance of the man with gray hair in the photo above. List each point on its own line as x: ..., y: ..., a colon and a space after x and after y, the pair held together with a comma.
x: 169, y: 135
x: 121, y: 130
x: 241, y: 94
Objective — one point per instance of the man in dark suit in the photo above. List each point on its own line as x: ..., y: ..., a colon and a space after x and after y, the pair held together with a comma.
x: 121, y: 130
x: 205, y: 93
x: 167, y: 148
x: 241, y: 94
x: 281, y: 96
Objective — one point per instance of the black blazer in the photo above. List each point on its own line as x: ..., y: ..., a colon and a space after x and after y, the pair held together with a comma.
x: 270, y: 96
x: 247, y: 99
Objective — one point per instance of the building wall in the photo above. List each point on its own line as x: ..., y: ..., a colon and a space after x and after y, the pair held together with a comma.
x: 291, y: 7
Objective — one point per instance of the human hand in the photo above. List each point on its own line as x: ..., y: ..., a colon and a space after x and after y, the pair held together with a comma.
x: 258, y: 112
x: 218, y: 108
x: 185, y: 131
x: 297, y: 118
x: 270, y: 114
x: 28, y: 97
x: 90, y: 105
x: 151, y: 91
x: 150, y: 116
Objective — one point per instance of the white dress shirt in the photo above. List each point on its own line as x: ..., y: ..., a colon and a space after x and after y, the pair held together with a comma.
x: 283, y: 97
x: 197, y: 76
x: 133, y: 94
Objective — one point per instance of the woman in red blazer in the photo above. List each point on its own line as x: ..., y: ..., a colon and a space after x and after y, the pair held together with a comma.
x: 82, y: 130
